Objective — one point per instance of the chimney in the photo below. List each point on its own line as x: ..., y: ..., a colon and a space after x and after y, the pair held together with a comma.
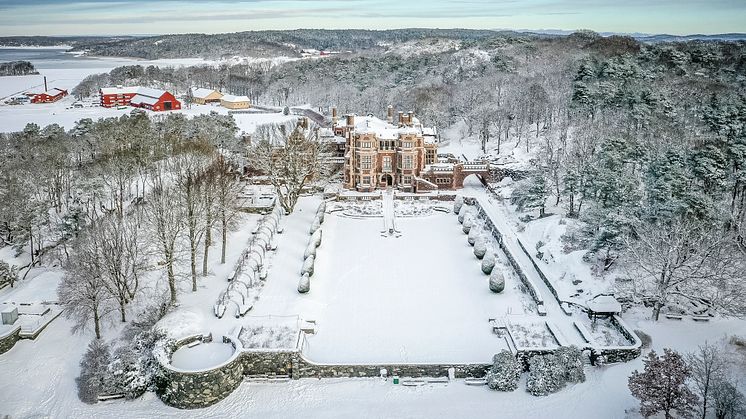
x: 334, y: 115
x: 401, y: 118
x: 350, y: 120
x: 45, y: 84
x: 410, y: 117
x: 390, y: 114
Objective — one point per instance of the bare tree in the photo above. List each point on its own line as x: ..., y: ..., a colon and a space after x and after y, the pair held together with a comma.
x: 167, y: 224
x: 290, y: 160
x: 685, y: 259
x: 708, y: 368
x: 82, y: 291
x: 221, y: 188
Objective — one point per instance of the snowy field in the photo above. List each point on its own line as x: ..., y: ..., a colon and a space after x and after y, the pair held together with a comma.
x: 420, y: 297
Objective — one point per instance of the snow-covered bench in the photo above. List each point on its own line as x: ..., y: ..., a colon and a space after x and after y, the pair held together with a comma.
x: 701, y: 318
x: 673, y: 316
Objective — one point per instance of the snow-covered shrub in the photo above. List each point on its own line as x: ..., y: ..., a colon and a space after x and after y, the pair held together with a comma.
x: 320, y: 216
x: 474, y: 233
x: 308, y: 266
x: 468, y: 222
x: 480, y: 247
x: 134, y: 369
x: 457, y: 204
x: 315, y: 226
x: 316, y: 238
x: 505, y: 372
x: 571, y: 360
x: 545, y: 375
x: 304, y: 285
x: 94, y: 377
x: 462, y: 214
x: 488, y: 263
x: 322, y: 207
x: 8, y: 273
x: 310, y: 250
x: 497, y: 281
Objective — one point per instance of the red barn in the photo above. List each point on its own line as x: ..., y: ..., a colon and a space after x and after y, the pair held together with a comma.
x: 47, y: 96
x: 140, y: 97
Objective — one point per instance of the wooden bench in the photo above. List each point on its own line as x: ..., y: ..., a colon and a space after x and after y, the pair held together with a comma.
x: 673, y: 316
x: 701, y: 318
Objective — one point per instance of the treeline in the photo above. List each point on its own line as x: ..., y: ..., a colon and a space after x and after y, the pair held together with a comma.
x: 269, y: 43
x: 17, y: 68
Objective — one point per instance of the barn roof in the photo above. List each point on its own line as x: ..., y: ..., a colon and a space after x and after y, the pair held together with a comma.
x: 148, y: 100
x: 51, y: 92
x: 202, y: 93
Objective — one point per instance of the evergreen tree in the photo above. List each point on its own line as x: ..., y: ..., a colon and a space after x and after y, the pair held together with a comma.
x: 661, y: 387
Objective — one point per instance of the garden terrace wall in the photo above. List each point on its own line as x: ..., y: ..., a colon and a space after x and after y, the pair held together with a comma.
x: 9, y: 339
x: 498, y: 236
x: 197, y: 389
x: 309, y: 369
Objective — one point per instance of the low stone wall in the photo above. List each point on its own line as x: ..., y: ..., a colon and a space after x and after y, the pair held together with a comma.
x: 309, y: 369
x: 196, y: 389
x: 541, y: 273
x: 9, y: 340
x: 622, y: 353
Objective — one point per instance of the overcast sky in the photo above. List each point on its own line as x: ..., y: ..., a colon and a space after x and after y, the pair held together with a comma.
x: 110, y: 17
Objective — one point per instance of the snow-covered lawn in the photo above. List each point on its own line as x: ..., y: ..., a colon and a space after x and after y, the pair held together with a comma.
x: 201, y: 356
x: 420, y: 297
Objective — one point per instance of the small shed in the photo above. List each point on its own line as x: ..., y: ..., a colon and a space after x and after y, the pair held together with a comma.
x: 9, y: 314
x: 235, y: 102
x: 603, y: 305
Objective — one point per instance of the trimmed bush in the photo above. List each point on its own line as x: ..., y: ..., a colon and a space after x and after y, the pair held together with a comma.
x: 316, y: 238
x: 304, y: 285
x: 308, y: 266
x: 505, y: 372
x: 497, y: 281
x: 570, y: 357
x: 457, y: 204
x: 315, y: 226
x: 545, y: 375
x: 474, y: 233
x: 310, y: 250
x: 480, y: 247
x: 468, y: 222
x: 462, y: 214
x: 488, y: 263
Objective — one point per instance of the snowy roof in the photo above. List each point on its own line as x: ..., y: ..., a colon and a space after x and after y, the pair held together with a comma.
x: 51, y: 92
x: 202, y: 93
x: 604, y: 304
x: 234, y: 99
x: 150, y: 92
x: 119, y: 90
x: 384, y: 130
x: 149, y: 100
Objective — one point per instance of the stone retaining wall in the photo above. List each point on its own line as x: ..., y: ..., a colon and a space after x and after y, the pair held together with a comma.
x: 196, y: 389
x: 9, y: 340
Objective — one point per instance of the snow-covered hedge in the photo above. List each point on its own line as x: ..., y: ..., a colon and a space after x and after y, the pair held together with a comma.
x: 545, y: 375
x: 457, y: 204
x: 497, y: 281
x: 310, y: 250
x: 550, y: 373
x: 505, y: 372
x: 488, y: 263
x: 462, y: 214
x: 304, y: 285
x: 308, y: 266
x: 474, y: 233
x: 316, y: 238
x: 314, y: 226
x: 480, y: 247
x: 468, y: 222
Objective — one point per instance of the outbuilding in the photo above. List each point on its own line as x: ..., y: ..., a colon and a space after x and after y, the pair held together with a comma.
x: 235, y: 102
x: 47, y: 96
x: 204, y: 96
x: 140, y: 97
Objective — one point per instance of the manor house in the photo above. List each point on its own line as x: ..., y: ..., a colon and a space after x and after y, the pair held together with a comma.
x: 401, y: 154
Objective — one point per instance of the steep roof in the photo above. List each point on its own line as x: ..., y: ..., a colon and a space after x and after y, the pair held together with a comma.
x: 386, y: 131
x: 140, y: 99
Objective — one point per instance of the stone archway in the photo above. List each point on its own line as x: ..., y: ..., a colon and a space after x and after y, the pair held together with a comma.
x: 387, y: 180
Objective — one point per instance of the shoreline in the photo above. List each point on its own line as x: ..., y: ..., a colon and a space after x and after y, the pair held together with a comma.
x: 40, y: 47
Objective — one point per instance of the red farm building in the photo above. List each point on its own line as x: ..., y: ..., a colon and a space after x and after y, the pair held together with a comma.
x: 140, y: 97
x: 47, y: 96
